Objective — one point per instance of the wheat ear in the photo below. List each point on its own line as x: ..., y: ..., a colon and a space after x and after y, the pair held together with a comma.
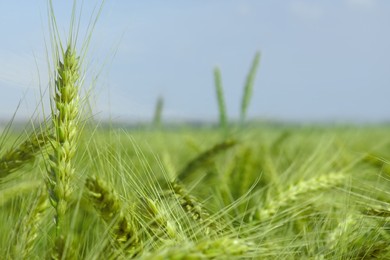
x: 26, y: 232
x: 158, y: 222
x: 220, y: 248
x: 107, y: 204
x: 322, y: 182
x: 378, y: 211
x: 194, y: 209
x: 64, y: 117
x: 15, y: 158
x: 334, y: 237
x: 248, y: 88
x: 8, y: 194
x: 205, y: 158
x: 220, y: 98
x: 158, y: 112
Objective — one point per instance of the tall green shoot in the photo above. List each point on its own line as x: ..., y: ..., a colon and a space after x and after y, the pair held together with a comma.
x: 220, y: 98
x: 248, y: 88
x: 66, y: 79
x: 66, y: 82
x: 158, y: 112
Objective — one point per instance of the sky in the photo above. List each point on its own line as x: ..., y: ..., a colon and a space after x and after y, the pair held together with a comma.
x: 323, y: 60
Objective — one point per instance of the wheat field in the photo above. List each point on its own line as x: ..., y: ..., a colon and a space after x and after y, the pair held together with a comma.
x: 71, y: 188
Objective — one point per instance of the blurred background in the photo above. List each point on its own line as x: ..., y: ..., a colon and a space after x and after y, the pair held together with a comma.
x: 321, y: 61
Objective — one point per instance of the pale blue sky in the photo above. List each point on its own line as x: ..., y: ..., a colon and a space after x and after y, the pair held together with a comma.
x: 321, y: 60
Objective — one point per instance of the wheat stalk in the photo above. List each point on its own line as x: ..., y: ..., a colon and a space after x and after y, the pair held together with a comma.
x: 62, y: 250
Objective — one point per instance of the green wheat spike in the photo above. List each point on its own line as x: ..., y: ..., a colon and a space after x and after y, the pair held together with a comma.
x: 248, y: 89
x: 220, y: 98
x: 158, y: 112
x: 205, y: 158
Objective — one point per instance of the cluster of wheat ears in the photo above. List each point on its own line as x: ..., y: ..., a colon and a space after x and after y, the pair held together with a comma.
x: 72, y: 192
